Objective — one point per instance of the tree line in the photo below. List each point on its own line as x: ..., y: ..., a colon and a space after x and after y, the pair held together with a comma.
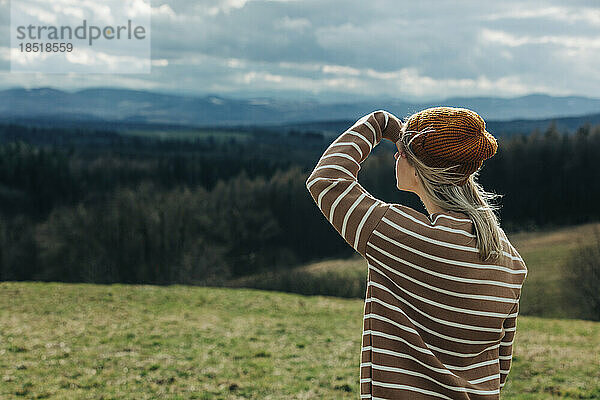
x: 99, y: 206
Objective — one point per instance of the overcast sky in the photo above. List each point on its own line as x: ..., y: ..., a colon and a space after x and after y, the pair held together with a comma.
x: 344, y: 50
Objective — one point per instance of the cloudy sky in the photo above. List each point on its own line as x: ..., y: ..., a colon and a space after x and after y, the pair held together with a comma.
x: 332, y: 50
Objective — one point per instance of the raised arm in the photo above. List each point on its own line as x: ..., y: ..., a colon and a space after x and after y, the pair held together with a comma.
x: 506, y: 344
x: 334, y: 186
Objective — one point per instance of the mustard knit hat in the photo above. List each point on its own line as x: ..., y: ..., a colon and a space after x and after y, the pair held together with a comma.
x: 447, y: 136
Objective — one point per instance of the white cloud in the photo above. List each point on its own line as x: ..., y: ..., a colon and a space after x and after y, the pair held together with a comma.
x: 339, y: 70
x: 262, y: 80
x: 101, y: 12
x: 40, y: 14
x: 5, y: 53
x: 82, y: 57
x: 137, y: 8
x: 507, y: 39
x: 305, y: 66
x: 565, y: 14
x: 164, y: 10
x: 253, y: 76
x: 340, y: 83
x: 293, y: 24
x: 404, y: 82
x: 272, y: 78
x: 160, y: 63
x: 225, y: 6
x: 371, y: 73
x: 235, y: 63
x: 19, y: 59
x: 68, y: 10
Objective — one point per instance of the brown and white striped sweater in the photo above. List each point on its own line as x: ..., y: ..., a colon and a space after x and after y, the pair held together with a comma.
x: 438, y: 322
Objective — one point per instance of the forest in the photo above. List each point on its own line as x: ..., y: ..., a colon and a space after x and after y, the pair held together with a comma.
x: 103, y: 206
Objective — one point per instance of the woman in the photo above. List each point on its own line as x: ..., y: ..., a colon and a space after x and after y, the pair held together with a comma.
x: 443, y: 290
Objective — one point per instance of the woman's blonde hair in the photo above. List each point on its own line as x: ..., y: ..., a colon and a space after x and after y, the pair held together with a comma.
x: 442, y: 189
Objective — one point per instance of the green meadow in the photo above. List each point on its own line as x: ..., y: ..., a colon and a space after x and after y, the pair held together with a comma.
x: 80, y: 341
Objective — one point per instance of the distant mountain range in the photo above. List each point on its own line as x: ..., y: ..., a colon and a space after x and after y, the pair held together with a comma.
x: 116, y: 107
x: 497, y: 128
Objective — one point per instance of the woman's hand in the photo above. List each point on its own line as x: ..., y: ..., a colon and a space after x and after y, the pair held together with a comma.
x: 393, y: 128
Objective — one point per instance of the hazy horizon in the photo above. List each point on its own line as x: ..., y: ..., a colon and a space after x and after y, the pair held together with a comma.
x: 277, y: 96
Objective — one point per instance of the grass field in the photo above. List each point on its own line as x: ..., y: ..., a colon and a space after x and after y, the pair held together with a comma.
x: 80, y: 341
x: 545, y: 254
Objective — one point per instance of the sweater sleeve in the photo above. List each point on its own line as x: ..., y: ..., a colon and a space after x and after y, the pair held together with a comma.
x: 333, y: 183
x: 506, y: 344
